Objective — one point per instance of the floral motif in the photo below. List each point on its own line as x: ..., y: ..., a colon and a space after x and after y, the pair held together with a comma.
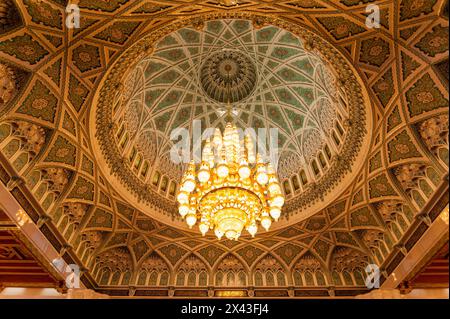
x: 24, y: 48
x: 424, y: 96
x: 434, y: 42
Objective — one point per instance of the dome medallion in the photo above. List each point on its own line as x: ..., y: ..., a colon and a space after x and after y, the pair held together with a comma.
x: 228, y: 76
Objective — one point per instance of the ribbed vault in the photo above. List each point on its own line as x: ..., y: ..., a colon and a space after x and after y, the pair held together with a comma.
x: 49, y: 79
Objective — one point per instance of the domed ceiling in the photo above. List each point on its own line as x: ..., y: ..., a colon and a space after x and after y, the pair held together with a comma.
x: 302, y: 66
x: 270, y: 80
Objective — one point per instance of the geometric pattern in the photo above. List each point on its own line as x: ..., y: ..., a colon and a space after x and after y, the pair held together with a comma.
x: 295, y: 93
x: 408, y: 145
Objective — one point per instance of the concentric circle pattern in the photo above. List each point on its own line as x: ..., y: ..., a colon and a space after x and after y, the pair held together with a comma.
x: 228, y: 76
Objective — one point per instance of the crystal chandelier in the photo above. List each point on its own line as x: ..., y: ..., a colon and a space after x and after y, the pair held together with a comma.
x: 231, y: 190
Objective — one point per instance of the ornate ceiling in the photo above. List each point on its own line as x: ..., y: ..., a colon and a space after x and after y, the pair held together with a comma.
x: 293, y: 91
x: 55, y: 80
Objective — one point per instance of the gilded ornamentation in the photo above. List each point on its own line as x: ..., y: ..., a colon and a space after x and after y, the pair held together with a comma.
x: 24, y: 48
x: 308, y: 263
x: 268, y: 263
x: 75, y: 211
x: 41, y: 103
x: 43, y: 13
x: 115, y: 259
x: 34, y: 136
x: 310, y: 195
x: 7, y: 85
x: 434, y: 133
x: 372, y: 214
x: 58, y: 178
x: 154, y: 262
x: 348, y: 259
x: 424, y: 96
x: 92, y: 238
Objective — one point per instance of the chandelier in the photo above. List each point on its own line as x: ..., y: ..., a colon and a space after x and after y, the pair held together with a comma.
x: 231, y: 190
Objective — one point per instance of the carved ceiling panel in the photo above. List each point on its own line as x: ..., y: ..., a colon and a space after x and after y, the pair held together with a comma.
x: 51, y: 79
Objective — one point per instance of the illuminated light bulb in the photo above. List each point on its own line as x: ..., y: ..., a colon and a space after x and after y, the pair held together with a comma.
x: 203, y: 173
x: 261, y: 173
x: 275, y: 213
x: 218, y: 233
x: 189, y: 185
x: 231, y: 234
x: 203, y: 228
x: 252, y: 229
x: 203, y: 176
x: 266, y: 222
x: 262, y: 178
x: 244, y: 171
x: 228, y: 192
x: 222, y: 170
x: 191, y: 219
x: 274, y: 188
x: 183, y: 198
x: 278, y: 201
x: 183, y: 210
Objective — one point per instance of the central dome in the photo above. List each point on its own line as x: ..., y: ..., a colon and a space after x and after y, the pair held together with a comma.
x: 313, y: 98
x: 228, y: 76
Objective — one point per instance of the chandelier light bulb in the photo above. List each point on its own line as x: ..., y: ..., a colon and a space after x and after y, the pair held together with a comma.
x: 222, y: 170
x: 191, y: 219
x: 235, y: 190
x: 275, y: 213
x: 183, y: 198
x: 252, y: 229
x: 183, y: 210
x: 203, y: 228
x: 189, y: 185
x: 262, y: 178
x: 244, y: 171
x: 231, y: 235
x: 278, y: 200
x: 203, y: 174
x: 274, y: 187
x: 266, y: 222
x: 218, y: 233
